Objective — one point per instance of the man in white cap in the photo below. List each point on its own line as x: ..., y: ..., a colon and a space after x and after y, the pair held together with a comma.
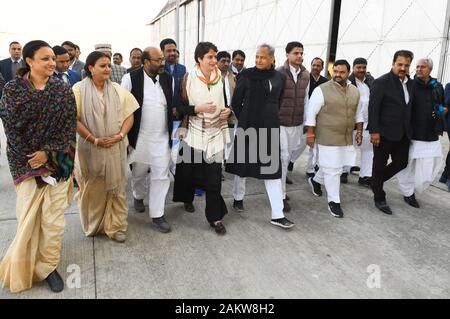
x: 117, y: 71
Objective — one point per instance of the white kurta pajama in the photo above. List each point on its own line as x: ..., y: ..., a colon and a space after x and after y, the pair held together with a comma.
x: 425, y: 161
x: 292, y: 139
x: 366, y: 147
x: 331, y: 159
x: 152, y: 153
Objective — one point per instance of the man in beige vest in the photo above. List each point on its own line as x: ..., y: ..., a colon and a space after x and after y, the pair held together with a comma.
x: 332, y: 112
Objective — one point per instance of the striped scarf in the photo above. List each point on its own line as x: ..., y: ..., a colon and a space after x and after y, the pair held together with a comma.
x: 206, y: 131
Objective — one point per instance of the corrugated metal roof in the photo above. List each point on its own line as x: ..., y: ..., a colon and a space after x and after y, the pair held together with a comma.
x: 170, y: 5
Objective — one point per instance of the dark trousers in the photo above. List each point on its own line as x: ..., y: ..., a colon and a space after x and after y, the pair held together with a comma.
x: 447, y: 167
x: 197, y: 173
x: 399, y: 152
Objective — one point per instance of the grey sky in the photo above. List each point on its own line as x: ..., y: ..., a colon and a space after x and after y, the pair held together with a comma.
x: 84, y: 22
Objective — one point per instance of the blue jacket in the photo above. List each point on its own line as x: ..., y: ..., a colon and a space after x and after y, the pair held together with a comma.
x: 73, y: 77
x: 178, y: 73
x: 447, y: 103
x: 5, y: 69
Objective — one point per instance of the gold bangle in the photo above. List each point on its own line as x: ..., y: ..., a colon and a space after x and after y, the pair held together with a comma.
x: 85, y: 140
x: 96, y: 142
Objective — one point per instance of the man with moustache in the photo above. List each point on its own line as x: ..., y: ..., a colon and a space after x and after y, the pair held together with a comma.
x: 390, y: 124
x: 363, y: 81
x: 333, y: 111
x: 427, y: 117
x: 150, y: 136
x: 75, y: 64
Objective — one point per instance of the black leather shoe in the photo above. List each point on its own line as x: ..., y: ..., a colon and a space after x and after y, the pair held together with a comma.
x: 289, y: 181
x: 219, y: 228
x: 139, y: 205
x: 189, y: 207
x: 365, y: 181
x: 286, y: 206
x: 411, y: 201
x: 355, y: 169
x: 383, y: 206
x: 55, y: 282
x: 290, y: 167
x: 344, y: 178
x: 238, y: 205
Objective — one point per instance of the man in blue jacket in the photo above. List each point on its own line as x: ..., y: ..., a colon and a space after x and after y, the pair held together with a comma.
x: 62, y: 66
x: 9, y: 66
x: 445, y: 178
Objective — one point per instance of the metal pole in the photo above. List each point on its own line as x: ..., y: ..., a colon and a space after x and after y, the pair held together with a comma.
x: 177, y: 23
x: 333, y: 36
x: 444, y: 57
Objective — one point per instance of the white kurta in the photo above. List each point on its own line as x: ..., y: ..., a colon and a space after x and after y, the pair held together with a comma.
x: 153, y: 142
x: 151, y: 158
x: 331, y: 156
x: 425, y: 161
x: 331, y: 159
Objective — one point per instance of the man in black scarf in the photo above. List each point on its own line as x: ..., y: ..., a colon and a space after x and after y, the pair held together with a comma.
x: 427, y: 113
x: 256, y: 149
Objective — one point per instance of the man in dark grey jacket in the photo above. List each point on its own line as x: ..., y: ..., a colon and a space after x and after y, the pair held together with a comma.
x: 390, y: 124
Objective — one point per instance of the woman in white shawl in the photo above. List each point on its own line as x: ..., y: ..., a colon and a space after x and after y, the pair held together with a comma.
x: 201, y: 153
x: 105, y: 115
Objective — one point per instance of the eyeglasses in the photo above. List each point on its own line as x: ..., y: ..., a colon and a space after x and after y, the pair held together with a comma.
x: 161, y: 60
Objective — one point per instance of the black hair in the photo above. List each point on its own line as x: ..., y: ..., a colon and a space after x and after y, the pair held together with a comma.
x: 135, y: 49
x: 223, y: 54
x: 342, y: 62
x: 119, y: 54
x: 165, y: 42
x: 359, y: 61
x: 202, y: 49
x: 145, y: 56
x: 92, y: 60
x: 238, y: 52
x: 14, y: 42
x: 403, y: 53
x: 292, y: 45
x: 70, y: 44
x: 29, y: 50
x: 77, y: 47
x: 317, y: 58
x: 58, y: 50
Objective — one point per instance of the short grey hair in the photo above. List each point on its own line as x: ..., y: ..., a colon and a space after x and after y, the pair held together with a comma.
x: 269, y: 47
x: 429, y: 62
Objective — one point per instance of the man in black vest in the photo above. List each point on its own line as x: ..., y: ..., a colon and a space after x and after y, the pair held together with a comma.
x: 390, y: 124
x: 150, y: 136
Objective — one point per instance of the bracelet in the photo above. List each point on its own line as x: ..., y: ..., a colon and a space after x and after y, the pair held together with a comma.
x: 85, y: 140
x: 122, y: 135
x: 96, y: 142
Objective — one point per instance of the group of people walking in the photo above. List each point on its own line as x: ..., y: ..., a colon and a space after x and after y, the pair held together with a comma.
x: 254, y: 122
